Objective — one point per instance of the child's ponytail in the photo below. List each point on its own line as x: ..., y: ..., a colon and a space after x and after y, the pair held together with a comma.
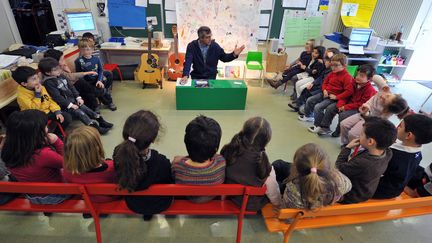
x: 314, y: 172
x: 128, y: 165
x: 139, y: 131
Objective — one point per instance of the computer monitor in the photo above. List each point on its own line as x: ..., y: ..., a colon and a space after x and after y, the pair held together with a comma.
x: 81, y: 22
x: 357, y: 36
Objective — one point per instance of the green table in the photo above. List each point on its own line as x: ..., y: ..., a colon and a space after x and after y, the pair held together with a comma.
x: 220, y: 95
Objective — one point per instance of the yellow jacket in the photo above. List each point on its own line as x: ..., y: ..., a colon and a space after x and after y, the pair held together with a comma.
x: 27, y: 100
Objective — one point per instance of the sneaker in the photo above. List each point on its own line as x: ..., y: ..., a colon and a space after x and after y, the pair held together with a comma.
x: 104, y: 123
x: 112, y: 107
x: 101, y: 130
x: 323, y: 131
x: 313, y: 129
x: 275, y: 84
x: 294, y: 107
x: 306, y: 118
x: 335, y: 134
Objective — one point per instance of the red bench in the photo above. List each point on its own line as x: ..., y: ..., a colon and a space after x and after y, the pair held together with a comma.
x: 84, y: 205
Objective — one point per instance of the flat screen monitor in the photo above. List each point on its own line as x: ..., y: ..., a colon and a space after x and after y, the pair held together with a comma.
x: 360, y: 37
x: 80, y: 22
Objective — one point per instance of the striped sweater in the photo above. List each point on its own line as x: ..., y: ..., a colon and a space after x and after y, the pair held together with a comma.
x: 212, y: 174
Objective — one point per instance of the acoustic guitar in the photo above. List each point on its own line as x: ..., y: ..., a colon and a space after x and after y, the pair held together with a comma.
x: 176, y: 60
x: 149, y: 71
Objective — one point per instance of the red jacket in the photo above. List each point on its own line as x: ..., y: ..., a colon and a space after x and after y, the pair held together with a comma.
x: 340, y: 84
x: 46, y: 166
x: 360, y: 96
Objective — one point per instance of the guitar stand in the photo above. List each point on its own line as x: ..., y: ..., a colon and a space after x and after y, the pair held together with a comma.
x: 158, y: 82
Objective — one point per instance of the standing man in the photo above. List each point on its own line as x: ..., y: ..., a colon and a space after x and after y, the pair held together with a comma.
x: 204, y: 53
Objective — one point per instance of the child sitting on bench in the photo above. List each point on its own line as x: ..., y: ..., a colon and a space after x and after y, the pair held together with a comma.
x: 310, y: 182
x: 138, y: 166
x: 202, y: 166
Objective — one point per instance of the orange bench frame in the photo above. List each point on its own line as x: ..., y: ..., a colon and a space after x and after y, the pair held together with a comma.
x: 335, y: 215
x: 84, y: 205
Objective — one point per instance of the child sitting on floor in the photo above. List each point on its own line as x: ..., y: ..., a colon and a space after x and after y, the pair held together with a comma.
x: 202, y: 166
x: 365, y: 168
x: 414, y: 131
x: 311, y: 182
x: 32, y: 95
x: 138, y: 166
x: 84, y: 161
x: 77, y: 79
x: 65, y: 94
x: 247, y: 163
x: 100, y: 83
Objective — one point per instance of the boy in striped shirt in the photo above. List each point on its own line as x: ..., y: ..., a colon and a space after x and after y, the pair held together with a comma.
x: 202, y: 166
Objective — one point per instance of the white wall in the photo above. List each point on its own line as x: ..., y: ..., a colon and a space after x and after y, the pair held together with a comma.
x: 8, y: 29
x: 101, y: 22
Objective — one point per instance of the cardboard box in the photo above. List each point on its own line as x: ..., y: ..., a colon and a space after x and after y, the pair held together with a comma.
x: 276, y: 62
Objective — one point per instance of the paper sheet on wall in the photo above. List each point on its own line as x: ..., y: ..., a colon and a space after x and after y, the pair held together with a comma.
x: 141, y: 3
x: 155, y: 1
x: 262, y: 33
x: 301, y: 26
x: 266, y: 5
x: 153, y: 20
x: 294, y: 3
x: 233, y: 22
x: 171, y: 17
x: 357, y: 13
x: 170, y: 5
x: 264, y: 20
x: 312, y: 5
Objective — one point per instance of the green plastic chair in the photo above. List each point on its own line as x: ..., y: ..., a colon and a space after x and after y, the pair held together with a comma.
x: 254, y: 61
x: 352, y: 69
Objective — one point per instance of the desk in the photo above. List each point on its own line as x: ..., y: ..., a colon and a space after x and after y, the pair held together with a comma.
x: 220, y: 95
x: 8, y: 91
x: 128, y: 55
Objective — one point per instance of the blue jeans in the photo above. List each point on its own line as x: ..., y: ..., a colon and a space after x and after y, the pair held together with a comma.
x: 324, y: 112
x: 311, y: 102
x: 84, y: 114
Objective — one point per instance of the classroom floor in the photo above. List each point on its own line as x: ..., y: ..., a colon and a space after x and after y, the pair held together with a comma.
x: 288, y: 135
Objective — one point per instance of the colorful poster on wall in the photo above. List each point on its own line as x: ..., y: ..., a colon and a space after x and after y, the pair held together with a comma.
x: 233, y: 22
x: 323, y: 5
x: 357, y: 13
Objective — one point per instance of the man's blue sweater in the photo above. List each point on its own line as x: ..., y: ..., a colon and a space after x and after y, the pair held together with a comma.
x: 207, y: 69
